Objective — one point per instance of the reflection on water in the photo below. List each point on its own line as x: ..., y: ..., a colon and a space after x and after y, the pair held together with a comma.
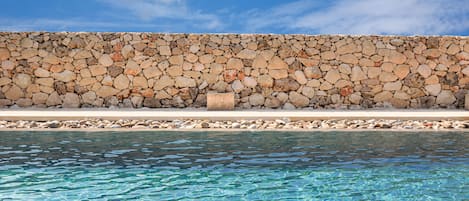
x: 232, y: 165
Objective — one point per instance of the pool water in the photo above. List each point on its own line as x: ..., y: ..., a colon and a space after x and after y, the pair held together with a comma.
x: 234, y: 166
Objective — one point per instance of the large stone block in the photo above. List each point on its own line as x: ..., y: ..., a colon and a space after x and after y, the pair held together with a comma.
x: 220, y: 101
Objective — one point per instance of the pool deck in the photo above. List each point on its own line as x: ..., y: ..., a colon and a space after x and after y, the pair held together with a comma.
x: 202, y: 114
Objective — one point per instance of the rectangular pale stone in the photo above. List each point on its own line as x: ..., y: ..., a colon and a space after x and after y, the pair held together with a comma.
x: 466, y: 102
x: 220, y: 101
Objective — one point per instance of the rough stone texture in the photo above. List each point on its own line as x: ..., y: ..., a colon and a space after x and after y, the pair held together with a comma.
x: 264, y: 71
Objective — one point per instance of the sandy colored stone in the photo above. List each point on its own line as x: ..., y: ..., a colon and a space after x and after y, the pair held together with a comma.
x: 4, y: 81
x: 29, y: 53
x: 105, y: 60
x: 45, y: 81
x: 39, y: 98
x: 392, y: 86
x: 184, y: 82
x: 277, y: 63
x: 65, y: 76
x: 106, y: 91
x: 332, y: 76
x: 328, y: 55
x: 247, y: 54
x: 121, y: 82
x: 453, y: 49
x: 40, y: 72
x: 465, y: 71
x: 256, y: 99
x: 71, y: 100
x: 206, y: 59
x: 345, y: 69
x: 26, y: 43
x: 163, y: 82
x: 140, y: 82
x: 265, y: 81
x: 14, y: 93
x: 432, y: 53
x: 383, y: 96
x: 259, y: 62
x: 237, y: 86
x: 463, y: 56
x: 373, y: 72
x: 445, y: 97
x: 22, y: 80
x: 347, y: 49
x: 424, y: 70
x: 368, y: 48
x: 152, y: 72
x: 54, y: 99
x: 433, y: 89
x: 88, y: 97
x: 313, y: 72
x: 51, y: 59
x: 357, y: 74
x: 8, y: 65
x: 308, y: 92
x: 298, y: 100
x: 387, y: 77
x: 234, y: 64
x: 4, y: 54
x: 132, y: 68
x: 394, y: 57
x: 348, y: 58
x: 97, y: 70
x: 300, y: 77
x: 355, y: 98
x: 401, y: 71
x: 249, y: 82
x: 164, y: 50
x: 278, y: 74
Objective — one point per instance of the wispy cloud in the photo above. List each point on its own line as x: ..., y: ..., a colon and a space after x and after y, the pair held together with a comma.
x: 368, y: 17
x: 148, y: 10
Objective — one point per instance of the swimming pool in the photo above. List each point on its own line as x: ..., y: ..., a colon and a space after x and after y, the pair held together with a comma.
x: 234, y: 165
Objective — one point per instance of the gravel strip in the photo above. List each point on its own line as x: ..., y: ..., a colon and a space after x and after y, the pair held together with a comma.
x: 241, y: 124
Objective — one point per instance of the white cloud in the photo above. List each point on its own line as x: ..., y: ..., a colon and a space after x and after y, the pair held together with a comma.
x: 148, y: 10
x: 368, y: 17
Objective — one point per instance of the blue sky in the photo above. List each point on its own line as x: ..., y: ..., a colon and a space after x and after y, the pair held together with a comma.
x: 402, y: 17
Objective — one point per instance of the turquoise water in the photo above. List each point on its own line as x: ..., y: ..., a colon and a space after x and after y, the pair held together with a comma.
x: 234, y: 166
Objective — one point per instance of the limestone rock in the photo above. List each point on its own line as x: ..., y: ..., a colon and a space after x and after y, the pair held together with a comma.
x: 278, y: 74
x: 14, y: 93
x: 286, y: 85
x: 357, y: 74
x: 234, y: 64
x: 121, y: 82
x: 445, y: 97
x: 184, y: 82
x: 401, y: 71
x: 52, y: 59
x: 368, y: 48
x: 98, y: 70
x: 345, y: 69
x: 394, y: 57
x: 392, y: 86
x: 106, y: 60
x: 65, y: 76
x: 300, y: 77
x: 387, y: 77
x: 259, y: 62
x: 40, y: 98
x: 332, y: 76
x: 132, y: 68
x: 89, y: 97
x: 265, y: 81
x: 152, y: 72
x: 424, y: 70
x: 174, y: 71
x: 249, y: 82
x: 114, y: 71
x: 272, y: 103
x: 8, y: 65
x: 348, y: 58
x: 206, y: 59
x: 54, y: 99
x: 313, y: 72
x: 256, y: 99
x: 41, y: 72
x: 163, y: 82
x: 298, y: 100
x: 383, y: 96
x: 106, y: 91
x: 246, y: 54
x: 237, y: 86
x: 4, y: 81
x: 4, y: 54
x: 277, y: 63
x: 24, y: 102
x: 308, y: 92
x: 139, y: 82
x: 71, y: 100
x: 164, y: 50
x: 22, y: 80
x: 433, y: 89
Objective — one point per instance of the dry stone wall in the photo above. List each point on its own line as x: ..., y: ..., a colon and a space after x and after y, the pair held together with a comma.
x: 264, y: 71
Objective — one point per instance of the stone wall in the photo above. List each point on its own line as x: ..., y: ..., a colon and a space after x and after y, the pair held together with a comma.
x: 264, y: 71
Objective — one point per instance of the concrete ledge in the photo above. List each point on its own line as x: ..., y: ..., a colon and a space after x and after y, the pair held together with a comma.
x: 202, y: 114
